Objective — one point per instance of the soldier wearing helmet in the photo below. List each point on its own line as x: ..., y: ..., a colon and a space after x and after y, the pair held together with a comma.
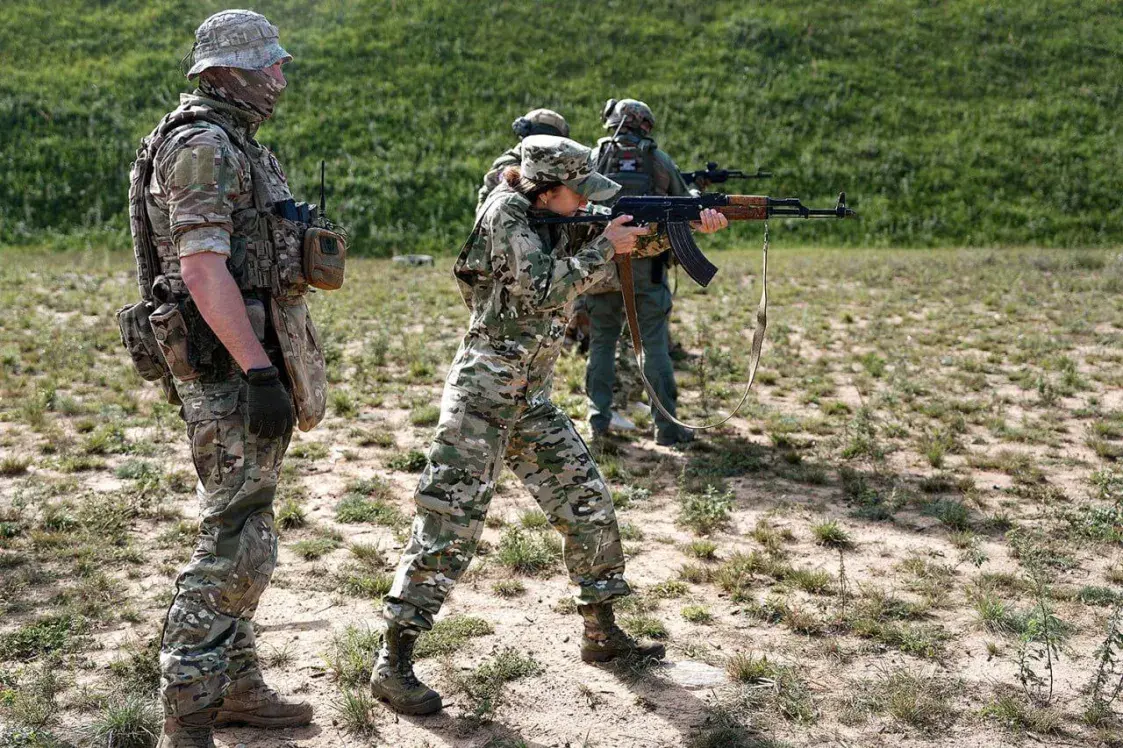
x: 631, y: 157
x: 218, y: 250
x: 534, y: 122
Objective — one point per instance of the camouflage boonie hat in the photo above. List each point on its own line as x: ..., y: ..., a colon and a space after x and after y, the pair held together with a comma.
x: 236, y: 39
x: 548, y: 158
x: 541, y: 122
x: 632, y: 111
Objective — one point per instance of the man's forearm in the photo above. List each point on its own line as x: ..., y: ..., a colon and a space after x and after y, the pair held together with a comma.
x: 220, y: 302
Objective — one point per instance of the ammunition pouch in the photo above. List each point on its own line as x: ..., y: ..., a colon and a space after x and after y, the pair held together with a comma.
x: 140, y: 342
x: 173, y: 337
x: 304, y: 359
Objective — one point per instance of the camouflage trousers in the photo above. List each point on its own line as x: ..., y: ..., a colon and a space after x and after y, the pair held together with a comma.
x: 475, y: 436
x: 208, y: 637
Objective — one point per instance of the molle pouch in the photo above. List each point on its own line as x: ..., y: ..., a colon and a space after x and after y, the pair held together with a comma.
x: 325, y: 253
x: 304, y: 360
x: 140, y: 341
x: 287, y: 240
x: 172, y: 336
x: 255, y: 310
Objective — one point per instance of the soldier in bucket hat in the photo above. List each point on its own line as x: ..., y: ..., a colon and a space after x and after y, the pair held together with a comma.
x: 519, y: 282
x: 202, y: 205
x: 534, y: 122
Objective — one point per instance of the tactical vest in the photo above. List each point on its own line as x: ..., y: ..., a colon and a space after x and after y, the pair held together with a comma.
x: 629, y: 164
x: 273, y: 259
x: 266, y: 249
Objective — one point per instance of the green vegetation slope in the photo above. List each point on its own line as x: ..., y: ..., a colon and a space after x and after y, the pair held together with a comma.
x: 958, y: 122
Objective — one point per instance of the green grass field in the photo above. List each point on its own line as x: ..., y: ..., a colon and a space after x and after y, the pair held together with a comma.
x: 956, y: 123
x: 915, y: 527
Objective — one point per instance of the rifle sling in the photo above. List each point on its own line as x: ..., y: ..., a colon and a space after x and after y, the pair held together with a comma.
x: 627, y: 289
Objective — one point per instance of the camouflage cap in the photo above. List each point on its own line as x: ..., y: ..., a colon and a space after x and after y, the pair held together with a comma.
x: 236, y: 39
x: 632, y: 112
x: 549, y: 158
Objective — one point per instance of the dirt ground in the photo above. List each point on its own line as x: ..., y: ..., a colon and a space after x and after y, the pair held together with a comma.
x: 911, y: 536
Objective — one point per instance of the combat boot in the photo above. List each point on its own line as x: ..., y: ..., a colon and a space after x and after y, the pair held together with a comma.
x: 191, y: 731
x: 604, y: 640
x: 393, y: 680
x: 249, y: 701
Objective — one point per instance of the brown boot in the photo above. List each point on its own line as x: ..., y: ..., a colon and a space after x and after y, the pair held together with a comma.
x: 604, y: 640
x: 393, y: 680
x: 190, y: 731
x: 249, y: 701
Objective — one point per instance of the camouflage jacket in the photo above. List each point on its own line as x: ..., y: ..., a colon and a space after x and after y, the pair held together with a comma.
x: 201, y: 195
x: 520, y: 283
x: 512, y: 157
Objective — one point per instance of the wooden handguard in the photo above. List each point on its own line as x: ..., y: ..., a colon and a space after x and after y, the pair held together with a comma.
x: 744, y: 212
x: 748, y: 200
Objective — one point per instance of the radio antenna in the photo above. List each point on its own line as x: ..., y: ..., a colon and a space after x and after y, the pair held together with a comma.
x: 323, y: 201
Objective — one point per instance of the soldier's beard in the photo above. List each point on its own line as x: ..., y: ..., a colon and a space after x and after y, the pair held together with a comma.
x: 253, y: 91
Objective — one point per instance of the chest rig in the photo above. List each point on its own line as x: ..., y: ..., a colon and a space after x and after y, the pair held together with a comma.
x: 278, y: 249
x: 267, y: 245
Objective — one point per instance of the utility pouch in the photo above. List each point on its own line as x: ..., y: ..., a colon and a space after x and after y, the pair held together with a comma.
x: 304, y: 359
x: 287, y: 240
x: 173, y: 337
x: 140, y: 341
x: 325, y: 253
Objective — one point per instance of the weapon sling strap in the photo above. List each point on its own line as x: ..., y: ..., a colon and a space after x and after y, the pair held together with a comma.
x: 627, y: 289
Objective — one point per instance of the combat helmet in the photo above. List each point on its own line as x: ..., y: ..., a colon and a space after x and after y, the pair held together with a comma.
x: 236, y: 39
x: 633, y: 113
x: 548, y: 159
x: 540, y: 122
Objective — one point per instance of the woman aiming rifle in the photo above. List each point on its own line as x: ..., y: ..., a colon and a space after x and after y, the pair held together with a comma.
x: 520, y: 283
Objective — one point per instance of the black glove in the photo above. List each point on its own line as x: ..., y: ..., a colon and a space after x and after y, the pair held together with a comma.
x: 268, y: 404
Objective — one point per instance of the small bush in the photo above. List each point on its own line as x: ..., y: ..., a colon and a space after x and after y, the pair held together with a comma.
x: 355, y: 508
x: 13, y: 465
x: 310, y: 550
x: 134, y: 721
x: 352, y: 654
x: 508, y: 588
x: 697, y: 614
x: 449, y: 635
x: 291, y: 515
x: 412, y: 461
x: 831, y: 534
x: 702, y: 549
x: 527, y: 553
x: 707, y: 512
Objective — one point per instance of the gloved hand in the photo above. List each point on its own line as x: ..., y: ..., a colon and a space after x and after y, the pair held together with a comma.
x: 268, y: 404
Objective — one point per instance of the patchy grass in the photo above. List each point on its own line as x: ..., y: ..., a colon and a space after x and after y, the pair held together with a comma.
x: 450, y: 635
x: 705, y: 512
x: 528, y: 552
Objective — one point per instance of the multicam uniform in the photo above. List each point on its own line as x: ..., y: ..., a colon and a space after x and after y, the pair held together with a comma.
x: 201, y: 198
x: 636, y: 162
x: 520, y: 283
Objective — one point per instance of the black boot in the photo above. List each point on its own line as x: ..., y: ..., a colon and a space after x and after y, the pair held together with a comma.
x: 393, y: 680
x: 604, y: 640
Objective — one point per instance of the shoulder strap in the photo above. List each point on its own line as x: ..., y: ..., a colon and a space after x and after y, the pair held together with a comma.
x: 627, y: 289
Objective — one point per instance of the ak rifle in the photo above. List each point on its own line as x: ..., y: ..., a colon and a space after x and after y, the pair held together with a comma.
x: 715, y: 175
x: 674, y: 215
